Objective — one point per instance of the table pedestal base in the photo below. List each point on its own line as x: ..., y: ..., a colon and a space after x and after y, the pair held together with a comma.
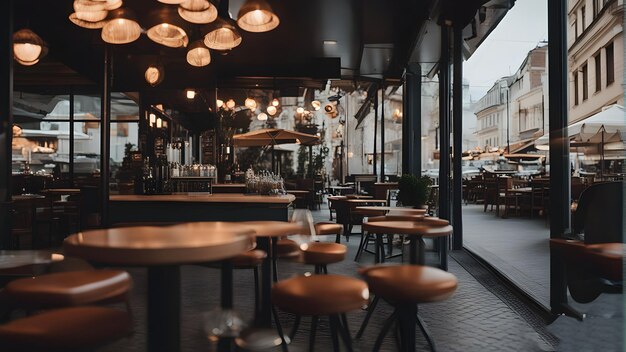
x: 164, y: 308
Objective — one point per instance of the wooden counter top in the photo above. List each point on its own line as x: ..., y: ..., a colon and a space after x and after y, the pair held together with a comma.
x: 205, y: 198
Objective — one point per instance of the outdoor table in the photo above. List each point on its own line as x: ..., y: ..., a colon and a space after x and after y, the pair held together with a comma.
x: 162, y: 250
x: 416, y: 231
x: 340, y: 190
x: 62, y: 191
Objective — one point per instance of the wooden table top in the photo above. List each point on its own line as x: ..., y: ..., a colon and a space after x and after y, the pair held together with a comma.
x: 62, y: 190
x: 297, y: 191
x: 520, y: 190
x: 160, y: 245
x: 365, y: 201
x: 407, y: 228
x: 394, y: 210
x: 20, y: 258
x: 206, y: 198
x: 229, y: 185
x: 27, y: 196
x: 341, y: 187
x: 266, y: 228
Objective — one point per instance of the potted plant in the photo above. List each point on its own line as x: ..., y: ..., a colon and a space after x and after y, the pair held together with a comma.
x: 413, y: 191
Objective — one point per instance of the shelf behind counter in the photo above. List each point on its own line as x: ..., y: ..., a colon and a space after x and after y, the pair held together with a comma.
x: 173, y: 208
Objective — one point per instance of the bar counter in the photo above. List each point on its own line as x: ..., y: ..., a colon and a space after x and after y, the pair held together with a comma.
x: 174, y: 208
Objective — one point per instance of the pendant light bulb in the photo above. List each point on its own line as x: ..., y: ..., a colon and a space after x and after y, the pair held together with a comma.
x: 122, y: 28
x: 250, y: 103
x: 275, y: 102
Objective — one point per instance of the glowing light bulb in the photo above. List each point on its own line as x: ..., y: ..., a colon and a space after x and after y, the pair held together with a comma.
x: 272, y: 110
x: 300, y: 110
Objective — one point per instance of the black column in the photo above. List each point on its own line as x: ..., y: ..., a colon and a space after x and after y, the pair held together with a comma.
x: 374, y: 163
x: 444, y: 124
x: 6, y: 120
x: 412, y: 121
x: 457, y: 124
x: 105, y: 134
x: 559, y: 148
x: 382, y: 133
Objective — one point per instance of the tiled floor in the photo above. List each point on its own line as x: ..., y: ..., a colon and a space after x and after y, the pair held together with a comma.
x: 473, y: 319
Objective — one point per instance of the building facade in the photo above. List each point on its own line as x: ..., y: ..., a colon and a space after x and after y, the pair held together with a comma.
x: 596, y: 56
x: 491, y: 115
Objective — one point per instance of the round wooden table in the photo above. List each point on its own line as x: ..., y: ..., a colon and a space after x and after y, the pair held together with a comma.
x: 26, y: 262
x: 416, y: 232
x: 392, y: 210
x: 162, y: 250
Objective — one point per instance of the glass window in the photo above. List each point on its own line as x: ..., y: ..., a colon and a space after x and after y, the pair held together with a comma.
x: 610, y: 64
x: 582, y: 18
x: 585, y: 82
x: 87, y: 107
x: 575, y: 88
x: 598, y: 72
x: 123, y: 108
x: 86, y: 151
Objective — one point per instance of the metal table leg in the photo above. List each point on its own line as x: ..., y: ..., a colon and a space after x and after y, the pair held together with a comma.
x: 164, y: 308
x: 264, y: 318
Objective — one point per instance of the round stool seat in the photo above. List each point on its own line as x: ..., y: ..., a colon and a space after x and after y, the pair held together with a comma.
x: 410, y: 283
x: 65, y: 329
x: 328, y: 228
x: 249, y: 259
x: 320, y: 294
x: 286, y: 248
x: 69, y: 288
x: 322, y: 253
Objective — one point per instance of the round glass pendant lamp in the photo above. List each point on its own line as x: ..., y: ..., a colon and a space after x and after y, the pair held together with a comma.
x: 272, y: 110
x: 262, y: 116
x: 86, y: 24
x: 112, y: 4
x: 28, y: 47
x: 275, y: 102
x: 198, y: 54
x: 122, y: 27
x: 154, y: 75
x: 166, y: 28
x: 223, y: 35
x: 90, y: 11
x: 250, y: 103
x: 230, y: 103
x: 171, y: 2
x: 257, y: 16
x: 198, y: 11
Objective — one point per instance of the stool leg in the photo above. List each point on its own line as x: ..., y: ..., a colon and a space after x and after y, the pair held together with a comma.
x: 345, y: 332
x: 338, y: 238
x: 407, y: 314
x: 425, y: 332
x: 385, y: 330
x: 370, y: 310
x: 294, y: 329
x: 279, y: 328
x: 390, y: 245
x: 256, y: 289
x: 314, y: 320
x: 325, y: 269
x: 275, y: 259
x: 361, y: 246
x: 334, y: 331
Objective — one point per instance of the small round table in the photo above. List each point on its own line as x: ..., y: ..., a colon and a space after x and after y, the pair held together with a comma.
x: 162, y: 250
x: 416, y: 232
x: 382, y: 210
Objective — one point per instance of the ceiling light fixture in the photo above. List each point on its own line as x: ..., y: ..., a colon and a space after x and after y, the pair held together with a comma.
x: 154, y: 75
x: 86, y: 24
x: 219, y: 103
x: 300, y: 110
x: 28, y: 47
x: 330, y: 42
x: 152, y: 119
x: 122, y: 28
x: 262, y: 117
x: 191, y: 94
x: 257, y: 16
x: 275, y: 102
x: 167, y: 28
x: 272, y: 110
x: 223, y: 34
x: 171, y: 2
x: 90, y: 11
x: 230, y: 104
x: 316, y: 105
x: 198, y: 11
x: 198, y: 54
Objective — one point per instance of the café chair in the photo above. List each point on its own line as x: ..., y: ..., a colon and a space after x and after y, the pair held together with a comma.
x: 68, y: 289
x: 67, y: 329
x: 321, y: 295
x: 406, y: 286
x: 251, y: 259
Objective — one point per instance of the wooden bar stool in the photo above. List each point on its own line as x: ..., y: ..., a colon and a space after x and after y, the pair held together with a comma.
x: 67, y: 329
x: 329, y: 228
x: 322, y: 295
x: 251, y: 259
x: 321, y: 254
x: 67, y: 289
x: 406, y: 286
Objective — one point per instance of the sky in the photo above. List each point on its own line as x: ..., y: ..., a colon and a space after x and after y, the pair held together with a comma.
x: 501, y: 54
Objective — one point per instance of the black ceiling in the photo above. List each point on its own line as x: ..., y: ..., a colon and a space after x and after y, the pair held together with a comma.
x: 291, y: 55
